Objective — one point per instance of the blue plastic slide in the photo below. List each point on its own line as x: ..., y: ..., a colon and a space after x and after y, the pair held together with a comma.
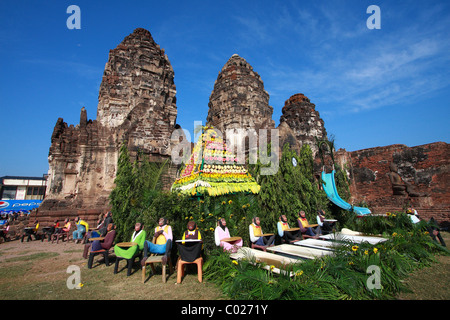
x: 329, y: 186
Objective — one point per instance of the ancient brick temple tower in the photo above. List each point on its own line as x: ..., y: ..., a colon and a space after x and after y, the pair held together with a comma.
x: 240, y: 105
x: 238, y: 99
x: 137, y: 104
x: 301, y: 123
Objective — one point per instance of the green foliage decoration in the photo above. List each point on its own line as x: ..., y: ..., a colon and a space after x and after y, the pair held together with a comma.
x: 290, y: 189
x: 137, y: 185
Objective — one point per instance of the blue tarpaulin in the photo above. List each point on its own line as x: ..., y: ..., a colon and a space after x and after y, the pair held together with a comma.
x: 18, y: 205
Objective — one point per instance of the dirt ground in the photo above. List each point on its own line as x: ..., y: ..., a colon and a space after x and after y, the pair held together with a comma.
x: 38, y: 270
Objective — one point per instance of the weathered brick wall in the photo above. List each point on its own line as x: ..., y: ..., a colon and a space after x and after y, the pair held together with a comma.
x: 426, y: 168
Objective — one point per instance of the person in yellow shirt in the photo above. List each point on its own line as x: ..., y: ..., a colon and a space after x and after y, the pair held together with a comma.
x: 192, y: 232
x: 284, y: 233
x: 256, y: 233
x: 82, y: 228
x: 163, y: 241
x: 31, y: 231
x: 305, y: 228
x: 190, y: 251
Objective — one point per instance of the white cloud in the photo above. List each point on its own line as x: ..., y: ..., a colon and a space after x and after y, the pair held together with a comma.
x: 358, y: 71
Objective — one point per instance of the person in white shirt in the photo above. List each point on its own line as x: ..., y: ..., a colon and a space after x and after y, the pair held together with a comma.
x: 431, y: 226
x: 256, y: 233
x: 325, y: 226
x: 412, y: 213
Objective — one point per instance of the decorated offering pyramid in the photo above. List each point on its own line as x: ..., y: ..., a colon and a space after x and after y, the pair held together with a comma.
x: 213, y: 170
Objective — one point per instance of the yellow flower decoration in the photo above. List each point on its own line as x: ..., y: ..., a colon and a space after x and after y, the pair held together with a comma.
x: 394, y: 234
x: 375, y: 250
x: 366, y: 252
x: 223, y: 202
x: 299, y: 273
x: 388, y: 214
x: 211, y: 229
x: 235, y: 262
x: 230, y: 202
x: 272, y: 267
x: 351, y: 263
x: 355, y: 248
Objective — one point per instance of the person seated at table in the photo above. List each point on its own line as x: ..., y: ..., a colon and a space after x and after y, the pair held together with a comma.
x: 51, y: 230
x: 163, y: 241
x: 192, y: 232
x: 288, y: 236
x: 256, y: 234
x: 190, y: 251
x: 304, y: 226
x: 66, y: 227
x: 103, y: 221
x: 107, y: 242
x: 95, y: 232
x: 82, y: 228
x: 31, y: 231
x: 325, y: 226
x: 103, y: 227
x: 222, y: 232
x: 137, y: 237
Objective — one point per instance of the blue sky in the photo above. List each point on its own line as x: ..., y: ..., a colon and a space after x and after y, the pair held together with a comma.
x: 372, y: 87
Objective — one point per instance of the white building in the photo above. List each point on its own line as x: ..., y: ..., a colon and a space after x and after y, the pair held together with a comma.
x: 22, y: 188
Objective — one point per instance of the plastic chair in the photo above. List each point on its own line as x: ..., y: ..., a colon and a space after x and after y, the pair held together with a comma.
x: 180, y: 268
